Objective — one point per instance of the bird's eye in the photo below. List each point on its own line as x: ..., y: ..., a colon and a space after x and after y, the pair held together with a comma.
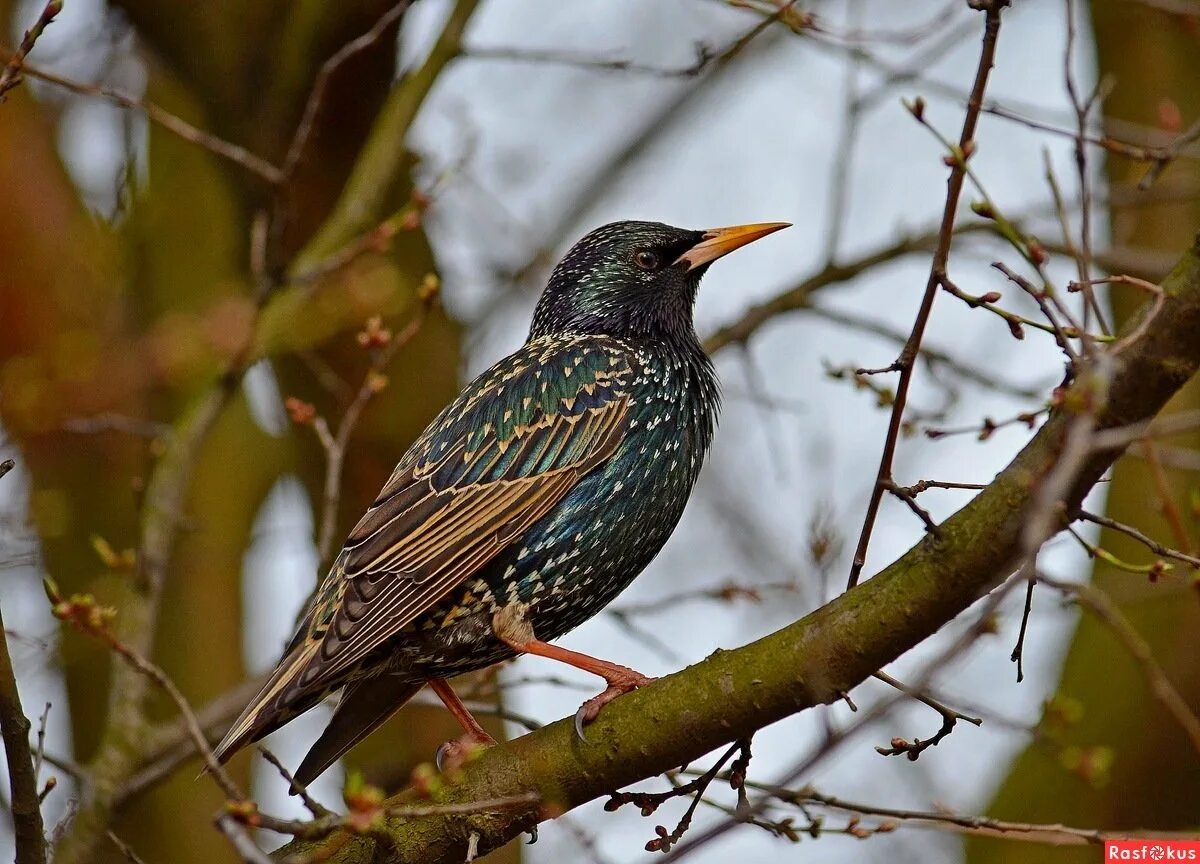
x: 645, y: 260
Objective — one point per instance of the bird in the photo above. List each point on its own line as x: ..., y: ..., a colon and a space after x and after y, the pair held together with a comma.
x: 526, y: 506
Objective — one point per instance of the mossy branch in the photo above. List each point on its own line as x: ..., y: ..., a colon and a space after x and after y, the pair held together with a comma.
x: 811, y: 662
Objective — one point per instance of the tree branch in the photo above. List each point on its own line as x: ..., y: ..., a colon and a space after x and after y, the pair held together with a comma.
x: 26, y: 808
x: 813, y: 661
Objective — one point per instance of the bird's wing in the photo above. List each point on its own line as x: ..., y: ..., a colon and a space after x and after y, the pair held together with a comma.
x: 492, y: 464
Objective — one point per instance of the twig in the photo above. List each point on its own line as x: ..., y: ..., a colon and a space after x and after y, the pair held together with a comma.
x: 1016, y: 323
x: 26, y: 806
x: 921, y: 513
x: 1042, y: 833
x: 937, y: 270
x: 705, y: 55
x: 1166, y: 498
x: 172, y: 123
x: 124, y: 848
x: 240, y: 839
x: 315, y: 807
x: 10, y: 76
x: 316, y: 96
x: 1141, y: 537
x: 1018, y: 652
x: 83, y: 613
x: 335, y: 444
x: 39, y: 755
x: 649, y: 802
x: 1170, y: 155
x: 1166, y: 424
x: 935, y: 357
x: 916, y: 747
x: 1083, y: 260
x: 988, y: 427
x: 365, y: 812
x: 6, y: 466
x: 921, y: 485
x: 1062, y: 333
x: 1154, y: 570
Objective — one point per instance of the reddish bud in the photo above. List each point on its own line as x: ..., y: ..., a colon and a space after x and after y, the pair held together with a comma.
x: 1037, y: 254
x: 301, y: 413
x: 1170, y: 118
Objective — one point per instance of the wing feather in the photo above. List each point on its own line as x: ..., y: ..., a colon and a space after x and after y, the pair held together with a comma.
x: 445, y: 514
x: 490, y: 466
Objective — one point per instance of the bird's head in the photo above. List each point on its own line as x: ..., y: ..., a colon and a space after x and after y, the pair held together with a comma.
x: 635, y: 279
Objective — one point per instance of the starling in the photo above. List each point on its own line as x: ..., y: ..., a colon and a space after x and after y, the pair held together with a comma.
x: 528, y: 504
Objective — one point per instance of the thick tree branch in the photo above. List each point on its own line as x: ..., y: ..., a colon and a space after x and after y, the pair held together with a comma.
x: 813, y: 661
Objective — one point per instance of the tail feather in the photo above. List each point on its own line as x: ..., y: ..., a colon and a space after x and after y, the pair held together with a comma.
x: 281, y: 700
x: 365, y: 705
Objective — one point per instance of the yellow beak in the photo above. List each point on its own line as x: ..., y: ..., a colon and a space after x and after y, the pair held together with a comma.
x: 721, y: 241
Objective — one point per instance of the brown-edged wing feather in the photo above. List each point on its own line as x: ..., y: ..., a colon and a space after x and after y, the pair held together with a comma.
x: 415, y: 547
x: 489, y: 467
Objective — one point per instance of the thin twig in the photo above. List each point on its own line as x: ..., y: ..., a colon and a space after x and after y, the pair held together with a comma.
x: 25, y: 803
x: 1171, y: 153
x: 649, y: 802
x: 83, y: 613
x: 124, y: 848
x: 913, y: 749
x: 172, y: 123
x: 10, y: 76
x: 937, y: 270
x: 936, y: 358
x: 921, y: 485
x: 335, y: 444
x: 1055, y: 834
x: 316, y: 96
x: 1140, y: 536
x: 240, y: 839
x: 1166, y: 497
x: 315, y: 807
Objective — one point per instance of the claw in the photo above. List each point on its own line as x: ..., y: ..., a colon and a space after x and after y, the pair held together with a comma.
x: 452, y: 755
x: 579, y: 721
x: 590, y: 709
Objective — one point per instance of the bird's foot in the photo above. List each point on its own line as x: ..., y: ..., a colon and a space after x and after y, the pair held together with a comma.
x: 452, y: 755
x: 620, y: 681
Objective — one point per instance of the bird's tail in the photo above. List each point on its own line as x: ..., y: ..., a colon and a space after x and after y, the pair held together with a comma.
x: 282, y: 699
x: 365, y: 705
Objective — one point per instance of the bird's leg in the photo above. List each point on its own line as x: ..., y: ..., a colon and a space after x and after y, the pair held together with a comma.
x: 452, y: 754
x: 514, y: 630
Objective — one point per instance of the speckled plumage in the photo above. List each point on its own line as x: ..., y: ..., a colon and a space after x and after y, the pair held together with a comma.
x: 547, y: 485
